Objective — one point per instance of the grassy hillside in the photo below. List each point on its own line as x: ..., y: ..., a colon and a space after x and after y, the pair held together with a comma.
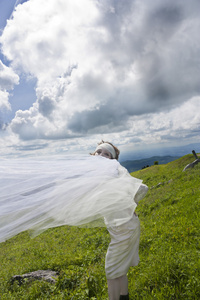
x: 169, y: 250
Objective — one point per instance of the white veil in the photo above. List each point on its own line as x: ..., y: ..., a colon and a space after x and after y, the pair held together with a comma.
x: 38, y: 194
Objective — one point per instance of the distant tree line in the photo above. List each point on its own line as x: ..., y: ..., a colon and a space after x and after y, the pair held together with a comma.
x: 147, y: 166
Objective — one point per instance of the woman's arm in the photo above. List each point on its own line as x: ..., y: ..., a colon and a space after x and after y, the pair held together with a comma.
x: 143, y: 189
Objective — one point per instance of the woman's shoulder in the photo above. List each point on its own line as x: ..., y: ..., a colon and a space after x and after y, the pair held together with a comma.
x: 122, y: 169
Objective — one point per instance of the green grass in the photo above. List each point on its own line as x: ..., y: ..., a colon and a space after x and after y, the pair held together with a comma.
x: 169, y: 265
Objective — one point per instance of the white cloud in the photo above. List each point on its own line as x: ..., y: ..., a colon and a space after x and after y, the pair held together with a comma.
x: 179, y: 123
x: 4, y: 103
x: 102, y: 66
x: 8, y: 78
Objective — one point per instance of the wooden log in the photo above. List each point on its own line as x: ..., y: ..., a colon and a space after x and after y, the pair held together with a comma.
x: 195, y: 155
x: 191, y: 165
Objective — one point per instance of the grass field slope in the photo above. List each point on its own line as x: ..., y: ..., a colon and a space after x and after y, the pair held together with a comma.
x: 169, y: 265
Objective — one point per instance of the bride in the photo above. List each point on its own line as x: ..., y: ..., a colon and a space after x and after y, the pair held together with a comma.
x: 93, y: 190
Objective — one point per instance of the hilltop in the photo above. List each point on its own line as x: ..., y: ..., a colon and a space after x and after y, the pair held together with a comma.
x: 169, y: 249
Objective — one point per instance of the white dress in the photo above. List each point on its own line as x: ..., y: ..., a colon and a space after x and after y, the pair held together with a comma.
x: 38, y: 194
x: 123, y: 250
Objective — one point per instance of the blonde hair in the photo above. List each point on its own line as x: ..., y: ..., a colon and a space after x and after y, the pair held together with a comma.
x: 115, y: 148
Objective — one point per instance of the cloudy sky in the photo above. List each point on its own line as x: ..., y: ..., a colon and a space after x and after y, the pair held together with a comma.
x: 73, y: 72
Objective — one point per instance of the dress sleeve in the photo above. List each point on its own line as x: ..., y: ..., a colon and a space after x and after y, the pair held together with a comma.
x: 143, y: 189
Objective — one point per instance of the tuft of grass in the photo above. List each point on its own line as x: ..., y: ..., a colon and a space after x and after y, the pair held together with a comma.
x: 77, y: 254
x: 169, y: 265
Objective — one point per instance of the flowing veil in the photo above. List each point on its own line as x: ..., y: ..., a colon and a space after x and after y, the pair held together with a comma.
x: 36, y: 194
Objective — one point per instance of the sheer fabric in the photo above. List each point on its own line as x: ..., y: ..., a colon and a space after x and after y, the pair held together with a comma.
x: 38, y: 194
x: 123, y: 250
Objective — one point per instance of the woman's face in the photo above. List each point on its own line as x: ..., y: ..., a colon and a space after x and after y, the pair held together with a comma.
x: 103, y: 152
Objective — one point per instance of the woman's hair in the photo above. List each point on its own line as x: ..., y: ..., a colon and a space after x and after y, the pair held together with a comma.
x: 116, y: 149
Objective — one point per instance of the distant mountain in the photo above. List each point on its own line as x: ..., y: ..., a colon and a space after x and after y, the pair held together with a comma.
x: 177, y: 151
x: 135, y: 165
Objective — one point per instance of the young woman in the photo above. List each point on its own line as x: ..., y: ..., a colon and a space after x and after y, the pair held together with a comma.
x: 124, y: 246
x: 37, y: 194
